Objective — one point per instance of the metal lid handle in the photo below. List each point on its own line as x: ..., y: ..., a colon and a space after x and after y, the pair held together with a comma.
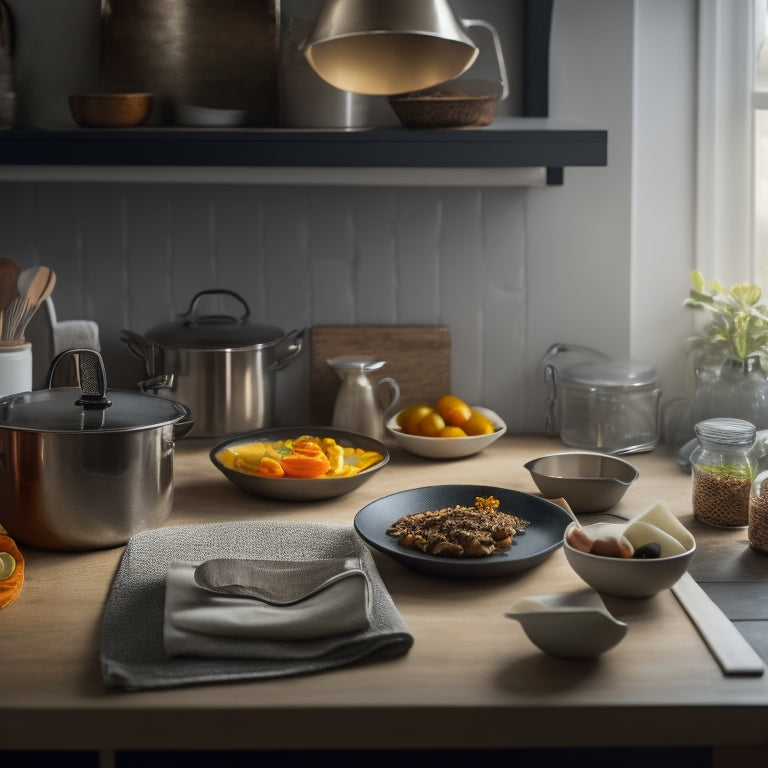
x: 192, y: 321
x: 90, y: 373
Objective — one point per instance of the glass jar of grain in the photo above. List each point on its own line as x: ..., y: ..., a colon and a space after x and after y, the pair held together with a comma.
x: 757, y: 533
x: 722, y: 470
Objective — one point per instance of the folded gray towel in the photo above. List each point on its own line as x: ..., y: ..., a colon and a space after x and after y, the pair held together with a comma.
x: 132, y: 653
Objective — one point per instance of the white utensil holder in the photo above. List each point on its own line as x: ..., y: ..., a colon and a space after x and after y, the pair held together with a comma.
x: 15, y: 369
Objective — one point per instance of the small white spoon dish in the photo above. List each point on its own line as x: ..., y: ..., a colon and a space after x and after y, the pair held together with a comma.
x: 575, y: 625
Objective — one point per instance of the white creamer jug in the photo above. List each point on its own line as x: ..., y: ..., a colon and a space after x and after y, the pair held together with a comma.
x: 360, y: 405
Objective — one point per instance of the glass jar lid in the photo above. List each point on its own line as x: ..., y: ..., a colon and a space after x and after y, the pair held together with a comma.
x: 725, y: 431
x: 610, y: 374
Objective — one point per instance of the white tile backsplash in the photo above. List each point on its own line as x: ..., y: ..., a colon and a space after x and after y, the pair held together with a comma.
x: 134, y: 255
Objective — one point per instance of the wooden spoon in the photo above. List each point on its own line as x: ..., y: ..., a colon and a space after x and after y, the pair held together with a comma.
x: 34, y: 286
x: 9, y: 276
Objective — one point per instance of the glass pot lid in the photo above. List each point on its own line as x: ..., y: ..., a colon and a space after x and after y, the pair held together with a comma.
x: 195, y: 330
x: 611, y: 375
x: 91, y: 408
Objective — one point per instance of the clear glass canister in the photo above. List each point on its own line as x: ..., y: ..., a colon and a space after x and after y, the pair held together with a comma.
x: 609, y: 406
x: 721, y: 472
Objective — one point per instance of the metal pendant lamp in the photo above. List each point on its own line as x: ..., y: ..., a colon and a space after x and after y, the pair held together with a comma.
x: 385, y: 47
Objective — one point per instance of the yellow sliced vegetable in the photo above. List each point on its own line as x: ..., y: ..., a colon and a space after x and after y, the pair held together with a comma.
x: 305, y: 457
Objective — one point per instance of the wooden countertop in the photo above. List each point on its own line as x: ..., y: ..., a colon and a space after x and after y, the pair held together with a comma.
x: 471, y: 680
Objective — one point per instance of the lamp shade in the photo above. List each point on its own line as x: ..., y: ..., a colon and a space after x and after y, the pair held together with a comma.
x: 385, y: 47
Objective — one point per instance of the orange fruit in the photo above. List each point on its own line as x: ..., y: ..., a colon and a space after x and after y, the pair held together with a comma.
x: 449, y: 431
x: 453, y: 410
x: 430, y: 425
x: 409, y: 417
x: 477, y: 424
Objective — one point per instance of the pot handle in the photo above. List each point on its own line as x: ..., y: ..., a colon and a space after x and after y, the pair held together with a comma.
x: 192, y: 321
x: 552, y: 422
x: 185, y: 423
x: 139, y: 347
x: 295, y: 341
x: 497, y: 48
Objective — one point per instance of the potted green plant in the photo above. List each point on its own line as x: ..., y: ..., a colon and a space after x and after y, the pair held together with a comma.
x: 730, y: 350
x: 737, y: 324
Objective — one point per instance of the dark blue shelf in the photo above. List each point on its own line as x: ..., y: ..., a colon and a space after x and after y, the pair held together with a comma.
x: 507, y: 143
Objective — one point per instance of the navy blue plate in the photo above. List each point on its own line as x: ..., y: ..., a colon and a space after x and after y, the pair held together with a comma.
x: 544, y: 535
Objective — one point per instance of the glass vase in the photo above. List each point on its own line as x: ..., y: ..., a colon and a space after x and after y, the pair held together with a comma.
x: 739, y: 391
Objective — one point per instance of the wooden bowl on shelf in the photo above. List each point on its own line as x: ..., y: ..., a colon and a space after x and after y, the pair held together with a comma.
x: 457, y: 104
x: 110, y: 110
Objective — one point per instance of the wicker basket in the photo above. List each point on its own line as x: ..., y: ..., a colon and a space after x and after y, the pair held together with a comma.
x: 447, y: 106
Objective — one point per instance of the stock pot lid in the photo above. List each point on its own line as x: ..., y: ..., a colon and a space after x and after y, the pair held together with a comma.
x: 61, y: 410
x: 194, y: 329
x: 611, y: 374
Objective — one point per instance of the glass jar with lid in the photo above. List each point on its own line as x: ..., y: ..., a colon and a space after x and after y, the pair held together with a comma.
x: 722, y: 471
x: 607, y: 405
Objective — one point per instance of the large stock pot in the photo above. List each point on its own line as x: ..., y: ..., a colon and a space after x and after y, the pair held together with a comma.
x: 221, y: 366
x: 86, y: 468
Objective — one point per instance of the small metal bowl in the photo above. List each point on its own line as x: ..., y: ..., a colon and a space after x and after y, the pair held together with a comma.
x: 588, y: 481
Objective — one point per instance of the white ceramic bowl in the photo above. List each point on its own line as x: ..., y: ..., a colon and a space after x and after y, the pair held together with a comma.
x: 210, y: 117
x: 448, y: 447
x: 629, y: 577
x: 571, y: 626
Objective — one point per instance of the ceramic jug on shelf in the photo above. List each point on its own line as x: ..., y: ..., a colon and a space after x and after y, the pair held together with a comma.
x: 362, y: 406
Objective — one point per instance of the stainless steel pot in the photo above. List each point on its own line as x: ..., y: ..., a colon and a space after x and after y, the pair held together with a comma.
x: 222, y: 367
x: 86, y: 468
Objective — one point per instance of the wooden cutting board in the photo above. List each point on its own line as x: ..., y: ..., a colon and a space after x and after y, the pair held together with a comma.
x: 418, y: 358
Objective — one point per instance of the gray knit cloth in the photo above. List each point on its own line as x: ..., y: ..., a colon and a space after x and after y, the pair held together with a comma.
x: 132, y: 655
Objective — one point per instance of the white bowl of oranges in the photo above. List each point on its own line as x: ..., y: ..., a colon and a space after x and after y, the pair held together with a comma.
x: 449, y: 429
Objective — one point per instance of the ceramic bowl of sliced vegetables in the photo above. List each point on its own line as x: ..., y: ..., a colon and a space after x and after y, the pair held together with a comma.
x: 299, y: 463
x: 449, y: 429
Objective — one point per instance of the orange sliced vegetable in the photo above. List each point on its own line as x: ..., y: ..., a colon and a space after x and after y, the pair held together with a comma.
x: 307, y: 465
x: 269, y: 467
x: 10, y: 587
x: 306, y: 456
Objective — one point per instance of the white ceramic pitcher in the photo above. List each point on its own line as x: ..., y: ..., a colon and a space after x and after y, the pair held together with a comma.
x: 360, y: 405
